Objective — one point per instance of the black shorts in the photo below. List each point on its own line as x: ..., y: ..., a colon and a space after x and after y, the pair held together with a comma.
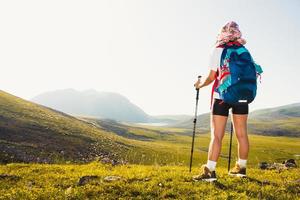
x: 221, y: 108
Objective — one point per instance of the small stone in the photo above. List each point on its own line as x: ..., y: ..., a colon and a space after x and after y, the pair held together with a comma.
x: 30, y: 184
x: 290, y: 163
x: 68, y: 191
x: 114, y: 162
x: 263, y: 165
x: 105, y: 160
x: 160, y: 184
x: 10, y: 177
x: 266, y: 182
x: 279, y: 166
x: 296, y: 181
x: 112, y: 178
x: 147, y: 179
x: 85, y: 179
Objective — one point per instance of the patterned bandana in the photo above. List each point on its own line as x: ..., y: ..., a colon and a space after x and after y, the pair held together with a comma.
x: 230, y: 32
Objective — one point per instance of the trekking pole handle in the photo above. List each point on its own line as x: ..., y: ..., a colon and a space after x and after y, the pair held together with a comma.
x: 197, y: 97
x: 199, y: 77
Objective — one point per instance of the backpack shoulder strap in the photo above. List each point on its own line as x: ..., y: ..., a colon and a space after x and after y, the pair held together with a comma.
x: 214, y: 87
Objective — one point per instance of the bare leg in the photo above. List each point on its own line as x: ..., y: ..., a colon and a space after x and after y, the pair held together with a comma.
x: 218, y: 124
x: 240, y: 129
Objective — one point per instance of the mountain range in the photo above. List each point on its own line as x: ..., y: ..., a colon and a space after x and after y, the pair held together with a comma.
x: 281, y: 120
x: 93, y: 104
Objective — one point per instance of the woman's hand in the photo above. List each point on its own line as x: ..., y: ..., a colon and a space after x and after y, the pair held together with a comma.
x: 197, y: 84
x: 209, y: 79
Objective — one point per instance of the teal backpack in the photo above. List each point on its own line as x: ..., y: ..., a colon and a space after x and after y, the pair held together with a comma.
x: 238, y: 76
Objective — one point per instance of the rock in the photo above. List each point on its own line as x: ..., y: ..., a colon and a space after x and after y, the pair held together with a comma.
x: 114, y: 162
x: 85, y: 179
x: 290, y: 163
x: 296, y: 181
x: 112, y: 178
x: 118, y: 162
x: 10, y: 177
x: 263, y: 165
x: 105, y: 160
x: 265, y: 182
x: 278, y: 166
x: 30, y: 184
x: 146, y: 179
x: 68, y: 191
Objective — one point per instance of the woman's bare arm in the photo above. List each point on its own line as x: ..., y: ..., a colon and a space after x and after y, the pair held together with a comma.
x: 208, y: 80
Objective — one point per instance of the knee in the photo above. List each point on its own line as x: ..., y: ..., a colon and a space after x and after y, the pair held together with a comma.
x: 217, y: 139
x: 242, y: 135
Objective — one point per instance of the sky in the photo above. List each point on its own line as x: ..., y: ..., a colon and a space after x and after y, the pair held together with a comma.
x: 149, y: 51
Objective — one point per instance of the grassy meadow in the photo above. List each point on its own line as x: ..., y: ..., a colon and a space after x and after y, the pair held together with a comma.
x: 158, y: 169
x: 173, y: 146
x: 43, y: 181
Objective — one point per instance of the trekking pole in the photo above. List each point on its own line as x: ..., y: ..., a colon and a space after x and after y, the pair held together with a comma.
x: 230, y: 144
x: 194, y: 130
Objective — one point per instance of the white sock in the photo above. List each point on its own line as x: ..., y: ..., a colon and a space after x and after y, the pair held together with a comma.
x: 211, y: 165
x: 242, y: 163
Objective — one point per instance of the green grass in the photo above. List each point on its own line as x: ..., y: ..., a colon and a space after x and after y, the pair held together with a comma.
x: 174, y: 147
x: 42, y: 181
x: 289, y: 126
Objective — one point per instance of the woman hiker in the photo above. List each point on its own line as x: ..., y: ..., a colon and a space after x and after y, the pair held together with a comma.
x: 230, y: 35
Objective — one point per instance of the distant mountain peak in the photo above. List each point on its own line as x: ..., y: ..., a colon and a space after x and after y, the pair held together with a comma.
x: 91, y: 102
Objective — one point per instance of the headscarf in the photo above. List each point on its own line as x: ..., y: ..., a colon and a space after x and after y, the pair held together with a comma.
x: 230, y: 33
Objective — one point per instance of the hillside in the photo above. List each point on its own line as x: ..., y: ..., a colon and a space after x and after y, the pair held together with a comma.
x: 98, y: 181
x: 203, y: 123
x: 278, y: 121
x: 281, y: 112
x: 94, y: 104
x: 33, y: 133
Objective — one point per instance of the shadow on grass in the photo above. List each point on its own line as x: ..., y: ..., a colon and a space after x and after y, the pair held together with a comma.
x: 220, y: 185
